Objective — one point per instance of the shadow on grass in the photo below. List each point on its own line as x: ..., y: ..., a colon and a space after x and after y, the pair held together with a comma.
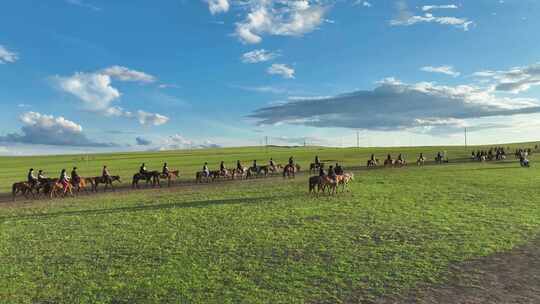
x: 153, y: 207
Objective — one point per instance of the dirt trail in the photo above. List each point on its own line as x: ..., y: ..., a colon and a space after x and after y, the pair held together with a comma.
x: 509, y: 277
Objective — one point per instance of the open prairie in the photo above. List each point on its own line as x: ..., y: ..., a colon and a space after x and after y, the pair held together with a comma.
x: 266, y: 240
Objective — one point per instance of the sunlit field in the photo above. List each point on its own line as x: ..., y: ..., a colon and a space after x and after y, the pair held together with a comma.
x: 261, y: 241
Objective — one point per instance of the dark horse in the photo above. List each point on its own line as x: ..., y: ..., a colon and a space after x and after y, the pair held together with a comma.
x: 108, y: 182
x: 289, y: 171
x: 150, y: 176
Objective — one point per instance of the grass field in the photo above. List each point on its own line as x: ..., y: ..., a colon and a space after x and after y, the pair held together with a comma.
x: 265, y: 241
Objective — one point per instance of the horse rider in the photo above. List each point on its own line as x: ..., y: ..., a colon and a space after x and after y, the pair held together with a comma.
x: 254, y: 167
x: 41, y: 177
x: 239, y: 166
x: 321, y: 172
x: 389, y: 157
x: 372, y: 157
x: 165, y: 171
x: 32, y: 180
x: 75, y: 178
x: 317, y: 161
x: 272, y: 164
x: 421, y: 157
x: 400, y: 158
x: 205, y: 169
x: 291, y: 161
x: 222, y: 167
x: 439, y: 156
x: 142, y: 169
x: 105, y: 174
x: 338, y: 169
x: 332, y: 173
x: 64, y: 179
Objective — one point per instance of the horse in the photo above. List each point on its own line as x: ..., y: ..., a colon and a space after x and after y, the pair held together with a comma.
x: 344, y: 180
x: 81, y: 183
x: 421, y: 161
x: 313, y: 167
x: 107, y: 181
x: 242, y: 173
x: 372, y: 163
x: 329, y: 182
x: 315, y: 181
x: 400, y: 163
x: 388, y: 162
x: 263, y: 170
x: 150, y: 176
x: 22, y: 187
x: 59, y: 187
x: 172, y: 174
x: 200, y: 176
x: 289, y: 171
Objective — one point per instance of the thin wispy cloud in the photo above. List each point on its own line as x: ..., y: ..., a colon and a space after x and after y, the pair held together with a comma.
x: 257, y: 56
x: 445, y: 69
x: 7, y: 56
x: 427, y: 8
x: 406, y: 17
x: 83, y: 4
x: 514, y: 80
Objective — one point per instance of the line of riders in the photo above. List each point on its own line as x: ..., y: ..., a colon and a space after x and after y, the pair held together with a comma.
x: 242, y: 172
x: 440, y: 158
x: 64, y: 185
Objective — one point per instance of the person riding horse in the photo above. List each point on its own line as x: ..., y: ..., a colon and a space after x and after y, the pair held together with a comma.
x: 332, y: 173
x: 321, y: 172
x: 142, y: 169
x: 205, y: 170
x: 106, y: 175
x: 41, y: 177
x: 75, y: 178
x: 254, y: 167
x: 222, y: 167
x: 64, y: 179
x: 372, y: 157
x: 317, y: 161
x: 165, y: 171
x: 32, y: 180
x: 272, y: 164
x: 338, y: 169
x: 291, y: 161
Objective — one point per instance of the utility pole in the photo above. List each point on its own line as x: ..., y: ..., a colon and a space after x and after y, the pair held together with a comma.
x: 465, y: 139
x: 357, y: 139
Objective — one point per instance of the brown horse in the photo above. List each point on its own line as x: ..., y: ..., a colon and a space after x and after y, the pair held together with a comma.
x: 202, y: 177
x: 23, y: 187
x: 151, y: 176
x: 289, y: 171
x: 169, y: 177
x: 388, y: 162
x: 59, y: 190
x: 81, y: 184
x: 242, y: 173
x: 344, y: 180
x: 328, y: 182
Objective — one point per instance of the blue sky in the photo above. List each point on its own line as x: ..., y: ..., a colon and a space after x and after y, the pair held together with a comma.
x: 94, y: 75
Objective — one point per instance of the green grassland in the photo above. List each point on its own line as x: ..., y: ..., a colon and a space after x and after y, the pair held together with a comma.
x: 266, y: 241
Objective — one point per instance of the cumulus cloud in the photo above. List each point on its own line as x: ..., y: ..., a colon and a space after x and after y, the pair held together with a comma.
x: 97, y: 94
x: 7, y: 56
x: 406, y: 18
x: 278, y: 17
x: 445, y: 69
x: 49, y: 130
x: 281, y: 69
x: 394, y: 105
x: 514, y: 80
x: 257, y: 56
x: 142, y: 141
x: 218, y: 6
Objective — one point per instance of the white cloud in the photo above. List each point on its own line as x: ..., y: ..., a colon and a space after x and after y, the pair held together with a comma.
x: 97, y: 94
x: 7, y: 56
x: 362, y: 3
x: 427, y: 8
x: 124, y: 74
x: 406, y: 18
x: 280, y: 18
x: 82, y: 3
x: 49, y: 130
x: 93, y: 89
x: 140, y: 141
x: 445, y: 69
x: 257, y: 56
x: 147, y: 119
x: 514, y: 80
x: 281, y: 69
x: 394, y: 105
x: 218, y: 6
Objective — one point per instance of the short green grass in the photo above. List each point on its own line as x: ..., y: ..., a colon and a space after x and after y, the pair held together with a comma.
x: 265, y: 241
